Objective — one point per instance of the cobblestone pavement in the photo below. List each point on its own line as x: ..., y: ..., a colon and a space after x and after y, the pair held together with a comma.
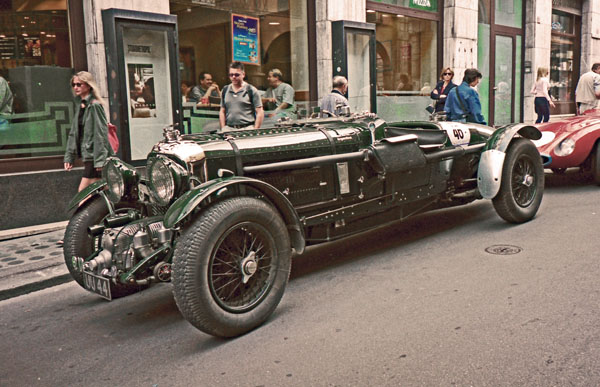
x: 29, y: 262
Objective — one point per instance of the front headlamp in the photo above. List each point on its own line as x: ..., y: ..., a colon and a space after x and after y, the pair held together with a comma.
x: 165, y: 178
x: 121, y: 178
x: 565, y: 147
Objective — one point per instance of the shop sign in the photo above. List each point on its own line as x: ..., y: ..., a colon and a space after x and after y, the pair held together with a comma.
x: 425, y: 5
x: 204, y: 2
x: 245, y: 31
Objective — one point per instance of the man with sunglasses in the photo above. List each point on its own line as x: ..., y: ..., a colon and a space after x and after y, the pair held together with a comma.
x: 241, y: 105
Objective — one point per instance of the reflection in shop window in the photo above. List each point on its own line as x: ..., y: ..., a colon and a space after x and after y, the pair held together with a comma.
x: 206, y: 41
x: 35, y: 60
x: 406, y: 65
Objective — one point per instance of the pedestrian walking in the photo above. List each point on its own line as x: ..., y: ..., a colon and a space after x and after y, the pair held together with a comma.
x: 331, y: 103
x: 587, y: 92
x: 462, y: 103
x: 442, y: 89
x: 88, y: 137
x: 241, y: 105
x: 542, y: 99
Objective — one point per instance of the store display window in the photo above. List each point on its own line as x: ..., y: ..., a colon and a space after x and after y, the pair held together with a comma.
x: 407, y: 64
x: 263, y: 35
x: 564, y: 61
x: 35, y: 66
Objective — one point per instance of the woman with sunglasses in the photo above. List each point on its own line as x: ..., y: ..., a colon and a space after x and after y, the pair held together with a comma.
x: 443, y: 87
x: 88, y: 137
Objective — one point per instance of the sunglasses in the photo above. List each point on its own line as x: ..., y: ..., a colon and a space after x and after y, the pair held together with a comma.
x: 77, y: 84
x: 235, y: 75
x: 447, y: 74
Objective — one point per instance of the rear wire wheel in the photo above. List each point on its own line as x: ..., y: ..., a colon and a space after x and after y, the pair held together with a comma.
x: 522, y: 184
x: 231, y: 266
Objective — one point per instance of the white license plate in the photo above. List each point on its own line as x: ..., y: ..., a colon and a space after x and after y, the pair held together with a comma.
x: 97, y: 284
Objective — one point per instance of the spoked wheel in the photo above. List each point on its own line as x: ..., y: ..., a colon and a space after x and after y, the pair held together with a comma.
x: 78, y: 243
x: 240, y: 270
x: 522, y: 185
x: 231, y: 266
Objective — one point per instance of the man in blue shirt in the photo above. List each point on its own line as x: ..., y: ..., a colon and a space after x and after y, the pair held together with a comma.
x: 465, y: 107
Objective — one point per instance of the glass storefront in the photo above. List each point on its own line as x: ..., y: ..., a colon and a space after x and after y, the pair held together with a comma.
x: 407, y: 63
x: 564, y: 60
x: 35, y: 64
x: 264, y: 35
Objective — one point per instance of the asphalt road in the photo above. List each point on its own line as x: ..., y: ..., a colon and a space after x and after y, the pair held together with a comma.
x: 420, y: 303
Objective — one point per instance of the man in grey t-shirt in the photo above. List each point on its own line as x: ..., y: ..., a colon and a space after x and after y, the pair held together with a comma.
x: 279, y: 96
x: 241, y: 106
x: 206, y: 88
x: 336, y: 98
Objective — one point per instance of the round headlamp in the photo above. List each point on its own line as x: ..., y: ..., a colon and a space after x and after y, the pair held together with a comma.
x: 121, y: 179
x: 165, y: 178
x: 565, y: 147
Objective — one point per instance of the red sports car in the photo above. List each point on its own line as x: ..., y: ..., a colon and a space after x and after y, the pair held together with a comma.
x: 572, y: 142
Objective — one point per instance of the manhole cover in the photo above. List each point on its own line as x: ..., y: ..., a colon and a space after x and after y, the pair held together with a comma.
x: 503, y: 249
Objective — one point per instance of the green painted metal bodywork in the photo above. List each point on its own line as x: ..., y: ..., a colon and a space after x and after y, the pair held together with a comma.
x: 502, y: 137
x: 214, y: 189
x: 87, y: 191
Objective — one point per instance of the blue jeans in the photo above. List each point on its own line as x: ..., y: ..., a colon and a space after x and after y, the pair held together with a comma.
x: 542, y: 108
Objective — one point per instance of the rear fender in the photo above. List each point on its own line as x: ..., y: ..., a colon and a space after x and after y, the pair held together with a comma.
x: 93, y: 189
x: 186, y: 204
x: 489, y: 173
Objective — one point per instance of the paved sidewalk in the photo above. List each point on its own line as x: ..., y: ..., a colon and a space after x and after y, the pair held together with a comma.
x: 31, y: 260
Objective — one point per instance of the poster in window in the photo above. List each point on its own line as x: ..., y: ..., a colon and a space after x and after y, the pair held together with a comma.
x: 149, y: 87
x: 142, y: 102
x: 245, y: 39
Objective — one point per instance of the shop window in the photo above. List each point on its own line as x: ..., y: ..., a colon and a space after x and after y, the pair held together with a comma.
x: 207, y: 41
x: 564, y: 54
x: 35, y: 63
x: 406, y: 64
x: 509, y: 13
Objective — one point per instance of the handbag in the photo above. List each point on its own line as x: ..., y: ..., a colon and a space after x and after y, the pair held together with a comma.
x: 113, y: 139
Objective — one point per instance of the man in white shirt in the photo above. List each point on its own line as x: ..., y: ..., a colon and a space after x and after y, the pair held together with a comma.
x: 587, y: 92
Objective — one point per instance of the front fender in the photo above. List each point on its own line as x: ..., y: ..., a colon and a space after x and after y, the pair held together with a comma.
x: 87, y: 191
x: 489, y: 172
x: 189, y: 201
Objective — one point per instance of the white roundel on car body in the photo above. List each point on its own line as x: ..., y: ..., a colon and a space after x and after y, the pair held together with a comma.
x: 458, y: 133
x: 547, y: 137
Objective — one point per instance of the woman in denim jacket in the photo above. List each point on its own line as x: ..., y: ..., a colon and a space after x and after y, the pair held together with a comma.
x: 88, y: 137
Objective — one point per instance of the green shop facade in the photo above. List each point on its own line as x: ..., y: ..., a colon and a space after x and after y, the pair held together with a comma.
x: 391, y: 51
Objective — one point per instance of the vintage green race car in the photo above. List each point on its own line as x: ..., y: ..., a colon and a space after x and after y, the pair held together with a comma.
x: 219, y: 215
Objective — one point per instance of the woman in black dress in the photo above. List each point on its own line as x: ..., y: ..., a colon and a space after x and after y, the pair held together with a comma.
x: 442, y: 88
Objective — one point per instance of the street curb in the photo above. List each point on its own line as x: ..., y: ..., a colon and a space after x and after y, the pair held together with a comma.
x: 31, y: 230
x: 34, y: 287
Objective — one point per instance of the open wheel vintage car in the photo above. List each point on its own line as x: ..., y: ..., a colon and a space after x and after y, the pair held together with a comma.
x: 219, y: 215
x: 572, y: 142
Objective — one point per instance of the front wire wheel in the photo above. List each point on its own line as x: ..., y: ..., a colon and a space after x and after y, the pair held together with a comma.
x: 78, y: 243
x: 522, y: 185
x: 231, y: 266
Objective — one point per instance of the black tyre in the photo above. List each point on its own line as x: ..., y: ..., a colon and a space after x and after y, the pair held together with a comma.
x: 231, y: 266
x: 596, y: 163
x: 522, y: 185
x: 78, y: 243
